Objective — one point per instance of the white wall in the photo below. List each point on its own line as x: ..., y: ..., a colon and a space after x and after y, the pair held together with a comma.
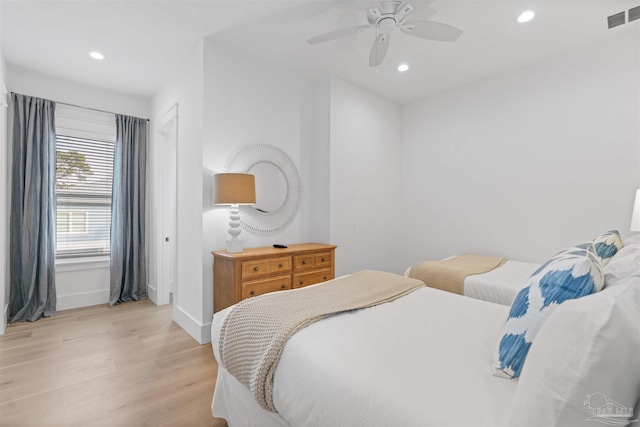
x: 29, y: 82
x: 186, y: 90
x: 4, y: 197
x: 316, y: 160
x: 526, y: 163
x: 86, y: 283
x: 365, y: 180
x: 249, y: 101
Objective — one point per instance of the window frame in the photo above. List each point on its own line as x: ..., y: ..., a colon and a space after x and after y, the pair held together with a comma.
x: 86, y: 124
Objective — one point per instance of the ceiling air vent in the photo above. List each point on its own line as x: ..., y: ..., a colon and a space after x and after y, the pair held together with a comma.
x: 623, y: 17
x: 616, y: 20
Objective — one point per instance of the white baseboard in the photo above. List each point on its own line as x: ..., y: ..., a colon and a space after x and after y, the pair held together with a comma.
x: 85, y: 299
x: 3, y: 321
x: 200, y: 332
x: 152, y: 293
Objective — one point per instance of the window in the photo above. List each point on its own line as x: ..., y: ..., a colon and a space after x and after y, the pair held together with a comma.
x: 85, y: 144
x: 84, y: 176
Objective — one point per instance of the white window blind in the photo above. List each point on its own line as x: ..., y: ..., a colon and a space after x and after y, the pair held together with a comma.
x: 85, y: 143
x: 72, y: 222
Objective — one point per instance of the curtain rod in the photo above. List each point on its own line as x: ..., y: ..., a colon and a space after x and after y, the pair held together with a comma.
x: 80, y: 106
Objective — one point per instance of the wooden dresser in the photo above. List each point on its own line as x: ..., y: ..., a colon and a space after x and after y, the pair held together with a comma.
x: 256, y: 271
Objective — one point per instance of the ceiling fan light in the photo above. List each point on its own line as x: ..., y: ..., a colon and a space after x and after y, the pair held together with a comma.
x: 526, y: 16
x: 403, y: 67
x: 387, y: 25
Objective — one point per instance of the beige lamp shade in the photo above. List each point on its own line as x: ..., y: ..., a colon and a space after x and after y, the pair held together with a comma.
x: 234, y: 188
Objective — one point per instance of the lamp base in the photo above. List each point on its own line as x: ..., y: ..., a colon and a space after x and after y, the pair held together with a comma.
x: 234, y: 245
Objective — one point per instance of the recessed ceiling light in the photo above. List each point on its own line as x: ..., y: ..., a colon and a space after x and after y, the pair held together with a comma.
x: 403, y: 67
x: 96, y: 55
x: 526, y: 16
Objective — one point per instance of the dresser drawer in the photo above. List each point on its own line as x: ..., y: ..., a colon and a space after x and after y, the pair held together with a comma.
x: 303, y: 262
x: 306, y: 279
x: 252, y: 269
x: 323, y: 259
x: 279, y: 265
x: 259, y: 287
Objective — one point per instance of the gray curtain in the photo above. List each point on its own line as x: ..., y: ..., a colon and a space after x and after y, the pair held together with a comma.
x: 33, y: 208
x: 128, y: 257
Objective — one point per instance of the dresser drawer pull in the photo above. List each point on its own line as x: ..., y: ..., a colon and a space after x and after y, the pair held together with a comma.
x: 284, y: 286
x: 322, y: 260
x: 252, y: 292
x: 304, y: 262
x: 325, y: 277
x: 301, y: 282
x: 255, y: 268
x: 280, y: 265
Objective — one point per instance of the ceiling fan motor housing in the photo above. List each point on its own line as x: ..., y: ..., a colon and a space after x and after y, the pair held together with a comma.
x: 389, y: 7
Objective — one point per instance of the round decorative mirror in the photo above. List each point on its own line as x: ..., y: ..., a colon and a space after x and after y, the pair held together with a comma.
x: 278, y: 188
x: 271, y: 187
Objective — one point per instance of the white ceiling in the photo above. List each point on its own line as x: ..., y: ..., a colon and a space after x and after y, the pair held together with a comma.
x: 145, y: 41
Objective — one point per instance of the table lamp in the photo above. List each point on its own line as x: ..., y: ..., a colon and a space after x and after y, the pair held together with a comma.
x: 635, y: 215
x: 234, y: 189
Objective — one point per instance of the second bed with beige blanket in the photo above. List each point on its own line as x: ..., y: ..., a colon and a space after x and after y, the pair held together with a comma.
x: 449, y: 274
x: 499, y: 285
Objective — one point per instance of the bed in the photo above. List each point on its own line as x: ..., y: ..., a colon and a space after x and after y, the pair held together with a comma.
x: 315, y: 382
x: 500, y: 285
x: 356, y: 368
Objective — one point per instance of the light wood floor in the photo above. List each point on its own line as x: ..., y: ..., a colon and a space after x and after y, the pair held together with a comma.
x: 130, y: 365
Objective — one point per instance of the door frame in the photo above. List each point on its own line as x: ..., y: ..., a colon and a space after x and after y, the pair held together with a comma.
x: 167, y: 147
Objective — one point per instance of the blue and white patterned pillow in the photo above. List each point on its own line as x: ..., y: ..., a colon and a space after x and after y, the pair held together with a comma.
x: 607, y: 245
x: 572, y: 273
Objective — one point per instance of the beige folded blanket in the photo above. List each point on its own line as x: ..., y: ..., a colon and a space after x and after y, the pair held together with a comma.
x: 254, y: 333
x: 449, y: 274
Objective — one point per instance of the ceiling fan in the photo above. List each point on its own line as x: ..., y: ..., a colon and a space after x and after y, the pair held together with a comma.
x: 385, y: 19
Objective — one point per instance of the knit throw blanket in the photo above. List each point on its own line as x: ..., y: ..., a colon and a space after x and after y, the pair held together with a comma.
x: 254, y: 333
x: 449, y: 274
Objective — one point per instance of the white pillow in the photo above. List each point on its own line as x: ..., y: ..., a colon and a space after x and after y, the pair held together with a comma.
x: 624, y: 264
x: 634, y: 239
x: 587, y: 349
x: 572, y: 273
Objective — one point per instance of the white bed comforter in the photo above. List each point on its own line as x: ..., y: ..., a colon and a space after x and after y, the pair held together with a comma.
x: 500, y: 285
x: 364, y: 368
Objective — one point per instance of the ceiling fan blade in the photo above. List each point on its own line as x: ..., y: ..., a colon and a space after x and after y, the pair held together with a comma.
x: 431, y: 30
x: 336, y: 34
x: 346, y: 44
x: 379, y: 49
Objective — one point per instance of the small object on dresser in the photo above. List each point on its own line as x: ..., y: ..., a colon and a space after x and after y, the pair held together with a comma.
x: 277, y: 246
